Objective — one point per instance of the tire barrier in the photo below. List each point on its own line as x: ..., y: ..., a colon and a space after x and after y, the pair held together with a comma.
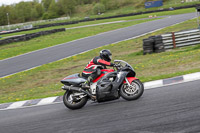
x: 29, y: 36
x: 160, y: 43
x: 57, y: 24
x: 100, y: 18
x: 147, y: 46
x: 153, y: 44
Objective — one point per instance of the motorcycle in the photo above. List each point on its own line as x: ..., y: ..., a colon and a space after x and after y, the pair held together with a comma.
x: 110, y: 85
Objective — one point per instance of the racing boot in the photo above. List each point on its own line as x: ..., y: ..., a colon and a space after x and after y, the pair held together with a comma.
x: 86, y: 85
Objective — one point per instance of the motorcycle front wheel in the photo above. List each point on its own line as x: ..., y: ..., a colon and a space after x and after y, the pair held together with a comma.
x: 132, y: 92
x: 73, y: 103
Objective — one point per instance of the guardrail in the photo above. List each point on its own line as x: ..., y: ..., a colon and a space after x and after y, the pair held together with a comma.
x: 181, y: 39
x: 171, y: 40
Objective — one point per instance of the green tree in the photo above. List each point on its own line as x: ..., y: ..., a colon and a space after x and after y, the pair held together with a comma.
x: 67, y: 6
x: 23, y: 10
x: 82, y: 2
x: 34, y: 14
x: 40, y: 9
x: 3, y: 19
x: 53, y: 9
x: 46, y: 4
x: 12, y: 15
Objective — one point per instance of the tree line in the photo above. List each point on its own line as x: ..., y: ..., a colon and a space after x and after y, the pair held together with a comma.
x: 35, y: 10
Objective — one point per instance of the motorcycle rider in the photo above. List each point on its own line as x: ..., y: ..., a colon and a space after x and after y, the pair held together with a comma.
x: 93, y: 68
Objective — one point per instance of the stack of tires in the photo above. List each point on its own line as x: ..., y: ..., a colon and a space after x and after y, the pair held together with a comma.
x: 148, y: 46
x: 29, y: 36
x: 154, y: 44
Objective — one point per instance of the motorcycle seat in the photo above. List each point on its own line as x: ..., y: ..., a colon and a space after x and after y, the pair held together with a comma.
x: 74, y: 79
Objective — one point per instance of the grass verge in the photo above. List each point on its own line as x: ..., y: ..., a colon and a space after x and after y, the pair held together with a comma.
x: 175, y: 12
x: 13, y: 49
x: 44, y: 81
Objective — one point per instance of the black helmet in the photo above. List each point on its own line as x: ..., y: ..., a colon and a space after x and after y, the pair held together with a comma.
x: 106, y: 55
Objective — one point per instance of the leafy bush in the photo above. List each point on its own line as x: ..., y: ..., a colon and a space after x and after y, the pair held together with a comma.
x: 45, y: 16
x: 99, y: 8
x: 114, y: 4
x: 52, y: 15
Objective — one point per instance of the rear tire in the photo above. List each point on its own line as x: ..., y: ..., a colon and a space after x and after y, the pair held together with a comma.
x: 72, y: 104
x: 126, y: 92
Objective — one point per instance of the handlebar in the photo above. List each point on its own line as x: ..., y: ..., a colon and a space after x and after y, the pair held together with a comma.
x: 120, y: 62
x: 117, y: 66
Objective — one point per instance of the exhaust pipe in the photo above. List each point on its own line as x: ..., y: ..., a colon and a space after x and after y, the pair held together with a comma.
x: 77, y: 89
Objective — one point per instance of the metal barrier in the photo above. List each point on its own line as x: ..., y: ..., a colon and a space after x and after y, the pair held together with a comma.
x: 181, y: 39
x: 157, y: 44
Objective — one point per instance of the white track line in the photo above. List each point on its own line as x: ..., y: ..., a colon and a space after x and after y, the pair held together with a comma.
x: 47, y: 100
x: 191, y: 77
x: 16, y: 105
x: 153, y: 84
x: 147, y: 86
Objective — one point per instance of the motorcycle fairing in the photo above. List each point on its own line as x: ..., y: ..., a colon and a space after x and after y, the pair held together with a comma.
x: 74, y: 79
x: 130, y: 79
x: 105, y: 90
x: 130, y: 75
x: 103, y: 72
x: 109, y: 89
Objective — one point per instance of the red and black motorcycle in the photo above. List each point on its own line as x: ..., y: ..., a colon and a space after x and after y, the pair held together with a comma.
x: 110, y: 85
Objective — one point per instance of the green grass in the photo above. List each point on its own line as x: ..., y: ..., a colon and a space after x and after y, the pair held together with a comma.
x: 133, y: 8
x: 181, y: 11
x: 136, y: 6
x: 18, y: 48
x: 44, y: 81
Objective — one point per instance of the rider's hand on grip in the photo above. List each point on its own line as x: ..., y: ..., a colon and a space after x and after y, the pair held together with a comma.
x: 112, y: 64
x: 116, y: 65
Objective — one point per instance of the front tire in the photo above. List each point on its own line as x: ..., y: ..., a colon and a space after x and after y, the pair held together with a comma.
x: 134, y: 92
x: 70, y: 103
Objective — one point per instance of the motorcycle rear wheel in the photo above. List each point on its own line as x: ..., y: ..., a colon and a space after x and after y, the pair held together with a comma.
x: 73, y: 104
x: 129, y: 93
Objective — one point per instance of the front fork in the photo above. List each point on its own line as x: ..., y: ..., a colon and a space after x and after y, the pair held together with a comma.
x: 131, y: 87
x: 127, y: 82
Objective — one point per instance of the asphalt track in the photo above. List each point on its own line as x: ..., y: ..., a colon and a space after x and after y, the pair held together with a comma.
x: 33, y: 59
x: 169, y: 109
